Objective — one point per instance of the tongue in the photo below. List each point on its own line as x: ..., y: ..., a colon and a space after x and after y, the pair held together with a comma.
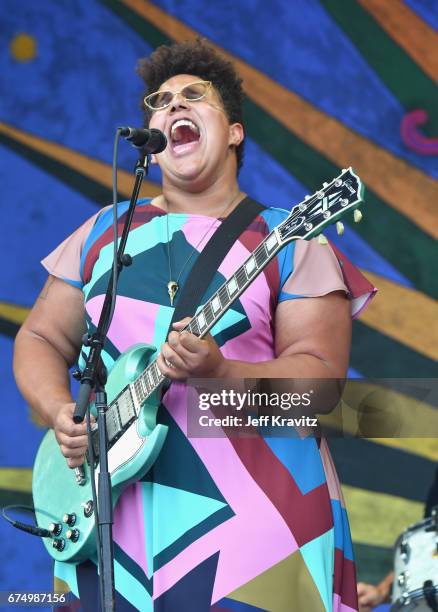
x: 184, y: 135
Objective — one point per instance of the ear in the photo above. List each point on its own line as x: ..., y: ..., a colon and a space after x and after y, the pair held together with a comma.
x: 236, y: 134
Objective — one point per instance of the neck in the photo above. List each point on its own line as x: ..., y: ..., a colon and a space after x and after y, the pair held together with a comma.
x: 209, y: 202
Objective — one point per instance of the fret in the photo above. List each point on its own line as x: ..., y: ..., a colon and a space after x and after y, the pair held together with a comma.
x: 138, y: 391
x: 223, y: 296
x: 215, y: 304
x: 194, y: 327
x: 241, y: 277
x: 250, y: 266
x: 153, y: 374
x: 208, y: 313
x: 200, y: 318
x: 260, y: 255
x: 150, y: 378
x: 232, y: 286
x: 145, y: 383
x: 271, y: 242
x: 156, y: 372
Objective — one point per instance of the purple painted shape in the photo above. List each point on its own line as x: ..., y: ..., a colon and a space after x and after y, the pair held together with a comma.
x: 414, y: 139
x: 250, y: 542
x: 133, y: 321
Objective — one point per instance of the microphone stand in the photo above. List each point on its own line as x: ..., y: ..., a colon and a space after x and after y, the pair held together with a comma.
x: 94, y: 376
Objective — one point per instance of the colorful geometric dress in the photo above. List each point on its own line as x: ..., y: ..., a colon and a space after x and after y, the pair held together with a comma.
x: 226, y: 523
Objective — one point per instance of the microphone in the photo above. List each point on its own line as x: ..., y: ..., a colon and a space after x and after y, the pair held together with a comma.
x: 153, y: 141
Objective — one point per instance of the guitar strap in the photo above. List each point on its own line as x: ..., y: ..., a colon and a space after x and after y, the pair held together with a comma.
x: 211, y: 257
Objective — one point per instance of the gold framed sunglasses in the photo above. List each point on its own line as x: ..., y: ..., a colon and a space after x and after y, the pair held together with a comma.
x: 192, y: 92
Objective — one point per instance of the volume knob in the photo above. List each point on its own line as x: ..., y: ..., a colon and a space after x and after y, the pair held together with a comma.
x: 55, y: 528
x: 72, y: 535
x: 69, y: 519
x: 59, y: 544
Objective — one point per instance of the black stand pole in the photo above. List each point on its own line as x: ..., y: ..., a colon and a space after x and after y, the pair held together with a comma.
x: 94, y: 376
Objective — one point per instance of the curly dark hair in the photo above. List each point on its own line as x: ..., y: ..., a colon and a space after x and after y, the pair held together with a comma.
x: 200, y: 59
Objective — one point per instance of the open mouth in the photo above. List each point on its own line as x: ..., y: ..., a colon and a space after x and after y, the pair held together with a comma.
x: 184, y: 133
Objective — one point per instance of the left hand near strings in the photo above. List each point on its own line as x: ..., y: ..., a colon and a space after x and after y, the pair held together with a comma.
x: 184, y: 355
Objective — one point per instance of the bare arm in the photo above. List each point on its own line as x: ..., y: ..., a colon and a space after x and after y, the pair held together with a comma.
x: 47, y: 344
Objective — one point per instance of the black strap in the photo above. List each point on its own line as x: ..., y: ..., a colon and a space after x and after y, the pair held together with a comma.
x: 212, y: 255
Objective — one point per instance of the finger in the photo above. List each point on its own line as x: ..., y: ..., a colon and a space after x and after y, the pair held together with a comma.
x: 172, y: 373
x: 361, y: 588
x: 73, y: 463
x: 65, y: 424
x: 72, y: 453
x: 72, y: 442
x: 173, y: 338
x: 172, y: 358
x: 192, y: 343
x: 181, y: 324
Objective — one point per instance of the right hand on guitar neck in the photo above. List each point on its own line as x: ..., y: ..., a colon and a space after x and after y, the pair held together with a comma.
x: 72, y: 438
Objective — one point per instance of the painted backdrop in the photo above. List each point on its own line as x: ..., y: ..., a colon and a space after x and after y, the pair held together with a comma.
x: 329, y: 84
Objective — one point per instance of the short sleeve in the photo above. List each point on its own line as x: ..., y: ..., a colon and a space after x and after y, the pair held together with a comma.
x: 315, y: 272
x: 320, y: 269
x: 65, y: 261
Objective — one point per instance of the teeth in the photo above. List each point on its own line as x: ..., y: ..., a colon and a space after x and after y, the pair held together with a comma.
x: 182, y: 122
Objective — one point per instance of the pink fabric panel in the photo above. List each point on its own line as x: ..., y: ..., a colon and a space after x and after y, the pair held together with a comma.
x: 133, y: 321
x: 128, y: 517
x: 316, y: 270
x: 64, y: 261
x: 338, y: 606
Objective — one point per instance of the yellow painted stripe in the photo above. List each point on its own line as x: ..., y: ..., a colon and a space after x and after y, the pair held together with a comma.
x: 423, y: 447
x: 13, y: 313
x: 404, y: 314
x: 377, y: 411
x: 409, y: 31
x: 16, y: 479
x: 405, y: 188
x: 378, y: 519
x: 89, y: 167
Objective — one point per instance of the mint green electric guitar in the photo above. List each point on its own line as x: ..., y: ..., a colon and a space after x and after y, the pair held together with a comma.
x: 62, y: 496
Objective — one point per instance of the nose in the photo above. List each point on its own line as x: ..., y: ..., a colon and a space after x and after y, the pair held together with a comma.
x: 178, y: 102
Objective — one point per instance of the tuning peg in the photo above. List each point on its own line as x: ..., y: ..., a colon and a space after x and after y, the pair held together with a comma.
x: 322, y: 239
x: 357, y: 215
x: 340, y: 228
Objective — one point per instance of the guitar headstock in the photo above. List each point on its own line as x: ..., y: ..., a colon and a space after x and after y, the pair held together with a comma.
x: 326, y: 206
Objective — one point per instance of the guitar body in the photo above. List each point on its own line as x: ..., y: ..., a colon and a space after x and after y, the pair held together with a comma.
x: 55, y: 489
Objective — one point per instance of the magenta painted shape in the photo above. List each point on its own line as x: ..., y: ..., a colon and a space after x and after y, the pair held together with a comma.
x: 414, y: 139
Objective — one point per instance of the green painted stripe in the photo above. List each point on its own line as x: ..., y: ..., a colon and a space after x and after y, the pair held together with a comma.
x: 382, y: 227
x: 15, y: 497
x: 146, y: 30
x: 399, y: 241
x: 377, y: 355
x: 383, y: 469
x: 8, y: 328
x: 372, y: 562
x: 398, y: 71
x: 91, y: 189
